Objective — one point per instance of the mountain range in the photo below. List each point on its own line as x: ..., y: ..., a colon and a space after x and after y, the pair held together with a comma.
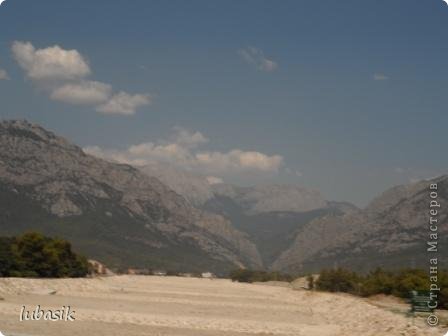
x: 158, y: 216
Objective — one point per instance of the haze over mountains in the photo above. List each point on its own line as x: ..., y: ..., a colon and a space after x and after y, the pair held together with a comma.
x: 199, y: 190
x: 160, y: 217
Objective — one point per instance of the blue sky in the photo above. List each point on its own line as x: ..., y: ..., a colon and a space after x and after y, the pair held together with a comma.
x: 347, y: 97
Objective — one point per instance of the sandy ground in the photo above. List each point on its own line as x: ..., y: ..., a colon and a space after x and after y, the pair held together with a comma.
x: 171, y: 306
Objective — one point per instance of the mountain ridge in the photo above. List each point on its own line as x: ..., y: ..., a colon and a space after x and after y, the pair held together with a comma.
x: 161, y: 218
x: 392, y: 229
x: 68, y: 183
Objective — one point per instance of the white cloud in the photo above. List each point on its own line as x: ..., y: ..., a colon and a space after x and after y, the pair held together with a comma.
x: 62, y: 73
x: 84, y: 92
x: 237, y: 159
x: 3, y: 75
x: 187, y: 138
x: 183, y: 155
x: 170, y: 152
x: 50, y: 63
x: 124, y: 103
x: 380, y: 77
x: 255, y: 57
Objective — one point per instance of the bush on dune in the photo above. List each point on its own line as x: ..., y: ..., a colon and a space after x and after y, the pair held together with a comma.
x: 34, y: 255
x: 378, y: 281
x: 399, y: 283
x: 338, y: 280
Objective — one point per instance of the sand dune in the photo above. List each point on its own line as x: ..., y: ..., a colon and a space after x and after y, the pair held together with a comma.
x: 171, y: 306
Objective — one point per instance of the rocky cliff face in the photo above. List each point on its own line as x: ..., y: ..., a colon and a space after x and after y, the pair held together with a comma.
x: 392, y: 231
x: 69, y: 186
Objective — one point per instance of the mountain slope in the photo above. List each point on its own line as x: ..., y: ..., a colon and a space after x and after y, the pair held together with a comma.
x: 194, y: 188
x: 130, y: 218
x: 110, y: 211
x: 270, y: 215
x: 273, y: 232
x: 392, y: 231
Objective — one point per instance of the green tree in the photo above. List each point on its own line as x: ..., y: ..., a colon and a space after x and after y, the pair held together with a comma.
x: 408, y: 280
x: 338, y: 280
x: 8, y: 259
x: 378, y: 281
x: 34, y: 255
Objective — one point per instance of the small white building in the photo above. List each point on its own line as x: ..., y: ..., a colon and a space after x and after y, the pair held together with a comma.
x: 208, y: 275
x: 159, y: 273
x: 186, y: 275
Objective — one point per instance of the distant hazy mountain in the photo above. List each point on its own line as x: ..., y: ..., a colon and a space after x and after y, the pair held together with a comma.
x: 111, y: 212
x: 198, y: 191
x: 194, y: 188
x: 259, y: 199
x: 270, y: 215
x: 392, y: 231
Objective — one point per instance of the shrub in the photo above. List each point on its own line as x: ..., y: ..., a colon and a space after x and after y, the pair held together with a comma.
x: 443, y: 296
x: 408, y: 280
x: 379, y: 281
x: 244, y: 275
x: 339, y: 280
x: 8, y: 260
x: 34, y: 255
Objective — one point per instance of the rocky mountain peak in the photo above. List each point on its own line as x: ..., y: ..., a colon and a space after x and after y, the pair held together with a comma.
x: 56, y: 176
x: 25, y: 130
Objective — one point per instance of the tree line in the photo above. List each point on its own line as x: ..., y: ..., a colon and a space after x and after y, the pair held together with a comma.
x: 245, y: 275
x: 398, y: 283
x: 35, y: 255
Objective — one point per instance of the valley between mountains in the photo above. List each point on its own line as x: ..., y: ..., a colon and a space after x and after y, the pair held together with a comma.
x: 159, y: 217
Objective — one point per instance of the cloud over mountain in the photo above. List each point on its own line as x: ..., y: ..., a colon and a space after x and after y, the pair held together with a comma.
x: 183, y: 151
x: 63, y: 74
